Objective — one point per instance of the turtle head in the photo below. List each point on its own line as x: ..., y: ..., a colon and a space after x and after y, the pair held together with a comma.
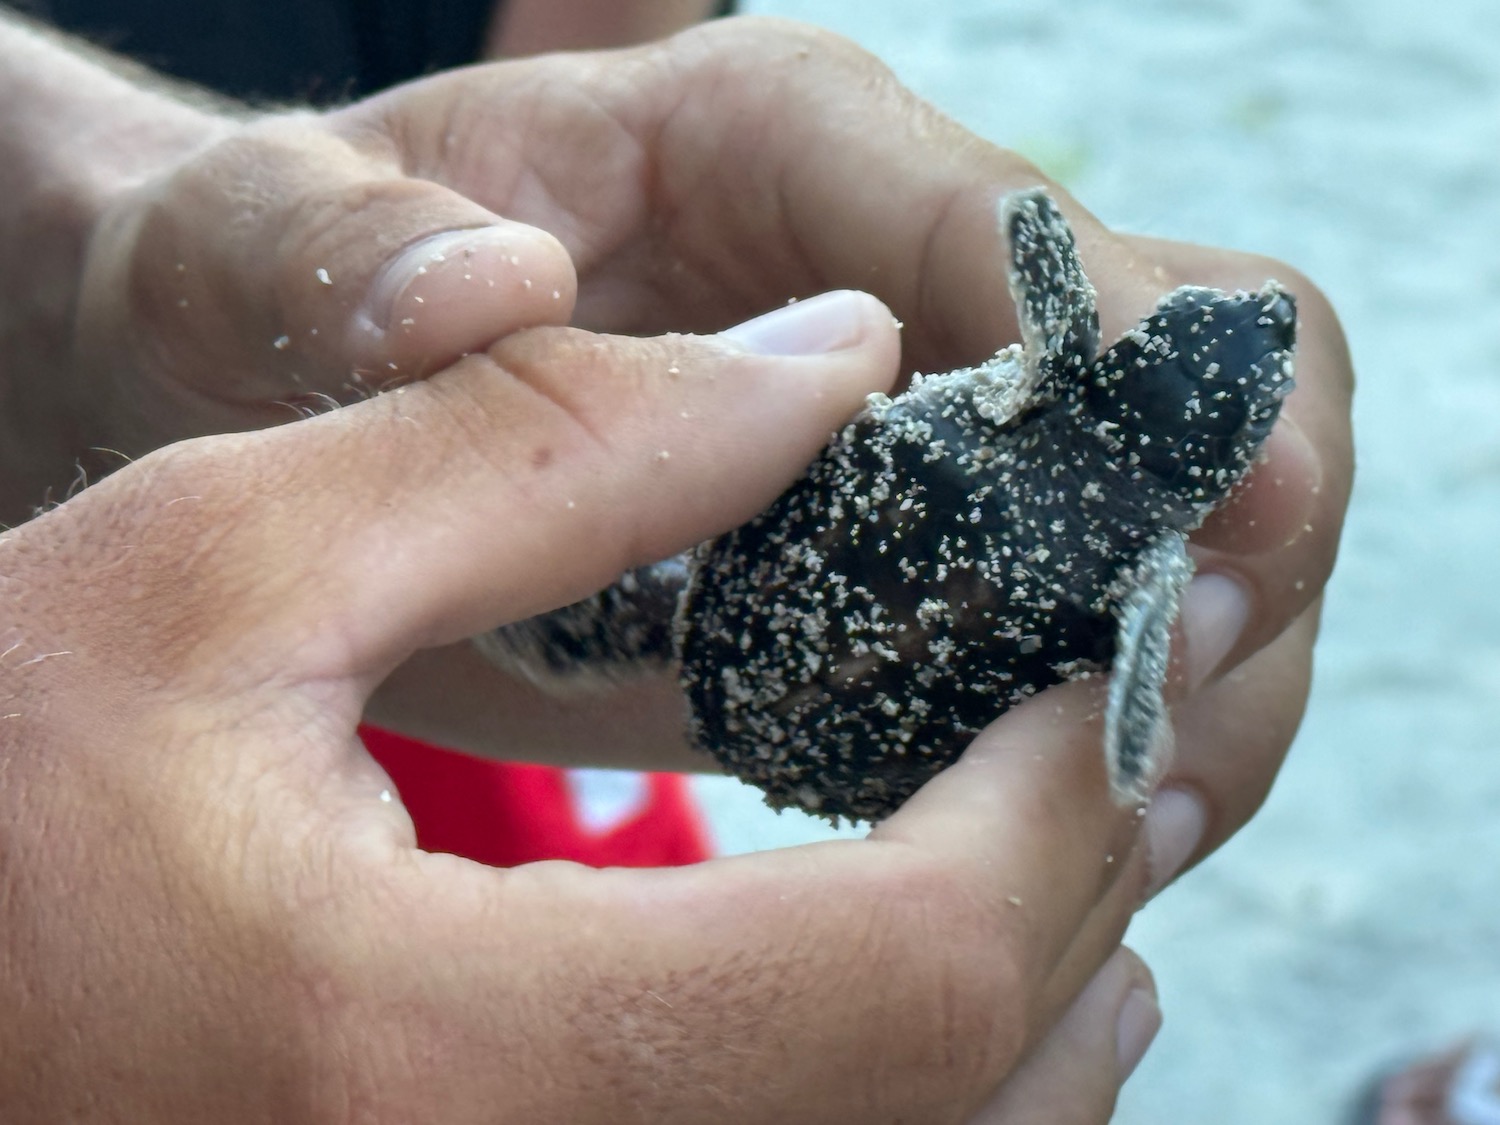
x: 1191, y: 392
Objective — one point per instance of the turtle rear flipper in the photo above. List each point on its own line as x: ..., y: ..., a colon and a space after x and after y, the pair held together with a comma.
x: 1137, y: 729
x: 613, y: 638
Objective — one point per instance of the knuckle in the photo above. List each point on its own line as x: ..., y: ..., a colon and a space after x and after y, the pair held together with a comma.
x: 888, y: 995
x: 591, y: 392
x: 751, y: 43
x: 238, y: 175
x: 831, y: 47
x: 977, y: 998
x: 948, y: 975
x: 231, y: 188
x: 547, y: 420
x: 515, y: 410
x: 353, y: 225
x: 145, y: 563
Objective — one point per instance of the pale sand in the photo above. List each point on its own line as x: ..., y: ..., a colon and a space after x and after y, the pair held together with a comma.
x: 1359, y: 917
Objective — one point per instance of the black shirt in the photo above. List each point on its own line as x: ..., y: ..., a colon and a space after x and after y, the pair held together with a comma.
x: 316, y: 51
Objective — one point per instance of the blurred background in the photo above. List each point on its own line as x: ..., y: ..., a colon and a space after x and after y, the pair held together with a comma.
x: 1357, y: 920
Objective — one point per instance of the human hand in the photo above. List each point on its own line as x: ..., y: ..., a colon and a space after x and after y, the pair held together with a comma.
x: 211, y: 909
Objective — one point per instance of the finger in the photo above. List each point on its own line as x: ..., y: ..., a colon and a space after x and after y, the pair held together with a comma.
x: 516, y: 481
x: 862, y: 980
x: 1233, y: 734
x: 1074, y: 1075
x: 1231, y: 738
x: 328, y: 272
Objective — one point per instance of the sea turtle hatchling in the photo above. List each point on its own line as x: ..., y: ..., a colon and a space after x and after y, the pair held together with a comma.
x: 957, y: 548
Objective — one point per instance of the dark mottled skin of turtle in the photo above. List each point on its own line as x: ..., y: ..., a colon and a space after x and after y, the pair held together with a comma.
x: 946, y: 557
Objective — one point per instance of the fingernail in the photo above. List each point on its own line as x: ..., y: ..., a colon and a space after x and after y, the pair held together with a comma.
x: 1140, y: 1020
x: 1215, y: 609
x: 1175, y: 822
x: 826, y: 323
x: 409, y: 264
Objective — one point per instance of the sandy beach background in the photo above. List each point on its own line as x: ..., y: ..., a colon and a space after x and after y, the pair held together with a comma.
x: 1358, y: 919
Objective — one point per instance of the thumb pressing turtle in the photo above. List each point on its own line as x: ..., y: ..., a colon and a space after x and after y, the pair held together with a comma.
x: 955, y: 549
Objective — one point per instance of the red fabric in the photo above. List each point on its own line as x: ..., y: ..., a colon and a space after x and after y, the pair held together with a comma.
x: 504, y: 814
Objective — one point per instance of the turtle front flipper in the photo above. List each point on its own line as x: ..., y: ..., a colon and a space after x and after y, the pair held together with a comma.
x: 1055, y: 301
x: 1144, y: 601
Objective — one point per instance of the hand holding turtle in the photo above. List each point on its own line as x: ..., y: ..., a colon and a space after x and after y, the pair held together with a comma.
x: 217, y: 911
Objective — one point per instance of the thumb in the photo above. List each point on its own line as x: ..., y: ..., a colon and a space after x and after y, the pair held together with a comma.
x: 1073, y: 1076
x: 517, y: 480
x: 288, y: 260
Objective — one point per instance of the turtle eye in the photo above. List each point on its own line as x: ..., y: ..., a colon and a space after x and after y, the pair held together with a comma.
x: 1194, y: 389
